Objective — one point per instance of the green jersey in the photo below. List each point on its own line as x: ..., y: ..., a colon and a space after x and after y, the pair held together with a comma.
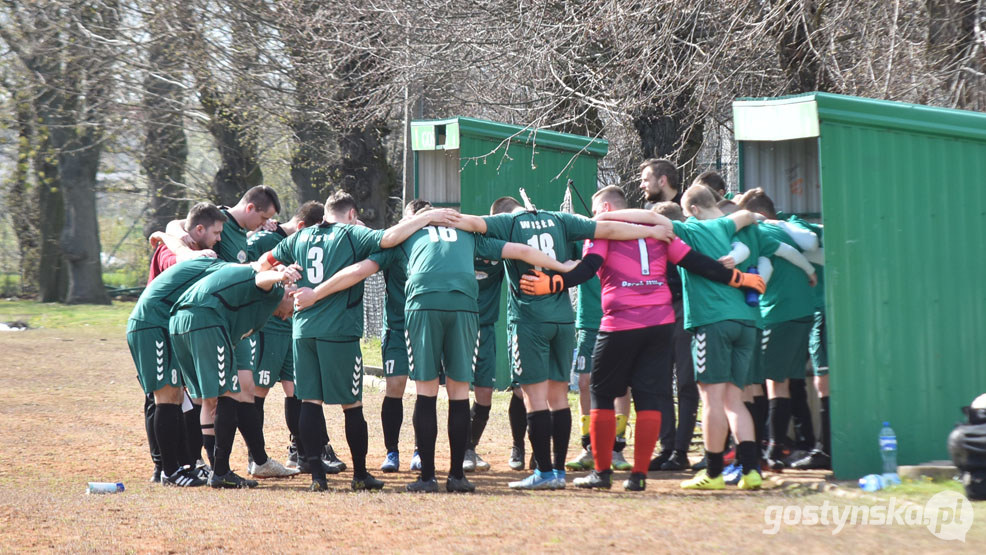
x: 552, y: 233
x: 589, y: 308
x: 228, y: 297
x: 705, y: 301
x: 153, y: 308
x: 789, y: 296
x: 258, y: 244
x: 441, y: 260
x: 489, y: 277
x: 819, y: 269
x: 232, y: 245
x: 394, y: 266
x: 321, y: 251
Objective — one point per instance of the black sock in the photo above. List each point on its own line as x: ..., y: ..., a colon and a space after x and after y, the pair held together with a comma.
x: 518, y: 420
x: 561, y: 434
x: 480, y: 416
x: 292, y: 410
x: 358, y: 439
x: 310, y: 430
x: 259, y: 403
x: 149, y: 408
x: 425, y: 421
x: 392, y: 417
x: 226, y: 416
x: 191, y: 437
x: 167, y: 430
x: 825, y: 417
x: 252, y: 431
x: 759, y: 415
x: 209, y: 443
x: 714, y: 462
x: 780, y: 418
x: 539, y: 430
x: 746, y: 455
x: 458, y: 434
x: 804, y: 430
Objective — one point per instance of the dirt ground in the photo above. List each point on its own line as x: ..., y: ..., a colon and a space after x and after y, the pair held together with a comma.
x: 71, y: 412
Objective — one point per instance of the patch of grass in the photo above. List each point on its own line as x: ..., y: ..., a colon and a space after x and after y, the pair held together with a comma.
x: 922, y: 489
x: 111, y: 318
x: 371, y: 352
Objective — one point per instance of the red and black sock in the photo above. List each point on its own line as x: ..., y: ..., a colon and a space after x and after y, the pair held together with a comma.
x: 646, y: 431
x: 391, y: 418
x: 539, y: 430
x: 602, y: 430
x: 518, y: 420
x: 358, y: 439
x: 458, y: 434
x: 479, y: 417
x: 561, y: 434
x: 425, y: 421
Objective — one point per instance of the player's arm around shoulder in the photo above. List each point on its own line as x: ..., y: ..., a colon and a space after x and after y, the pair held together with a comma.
x: 401, y: 231
x: 345, y: 278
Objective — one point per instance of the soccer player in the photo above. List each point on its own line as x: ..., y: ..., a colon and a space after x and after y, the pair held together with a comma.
x: 150, y: 347
x: 230, y: 303
x: 588, y: 313
x: 788, y: 309
x: 542, y: 327
x: 254, y: 210
x: 274, y: 360
x: 489, y: 277
x: 634, y: 344
x: 328, y: 361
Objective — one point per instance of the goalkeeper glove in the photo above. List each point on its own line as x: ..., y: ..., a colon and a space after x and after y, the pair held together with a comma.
x: 540, y: 283
x: 749, y: 281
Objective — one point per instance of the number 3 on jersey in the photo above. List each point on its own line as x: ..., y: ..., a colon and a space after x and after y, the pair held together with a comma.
x: 315, y: 271
x: 441, y: 233
x: 544, y: 243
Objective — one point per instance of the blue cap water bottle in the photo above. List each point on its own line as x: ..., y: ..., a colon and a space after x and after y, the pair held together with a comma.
x: 752, y: 297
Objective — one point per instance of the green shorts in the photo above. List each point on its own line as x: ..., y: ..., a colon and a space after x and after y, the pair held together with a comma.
x: 151, y: 351
x: 246, y: 353
x: 485, y: 373
x: 585, y: 342
x: 275, y: 359
x: 205, y: 357
x: 328, y: 370
x: 435, y: 337
x: 755, y: 375
x: 723, y: 351
x: 393, y: 347
x: 818, y: 345
x: 785, y: 349
x: 540, y: 352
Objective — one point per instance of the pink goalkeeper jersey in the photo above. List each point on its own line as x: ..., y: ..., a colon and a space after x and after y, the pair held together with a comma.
x: 635, y: 292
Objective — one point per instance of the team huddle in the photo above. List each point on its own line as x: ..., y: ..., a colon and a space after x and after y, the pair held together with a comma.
x: 722, y: 303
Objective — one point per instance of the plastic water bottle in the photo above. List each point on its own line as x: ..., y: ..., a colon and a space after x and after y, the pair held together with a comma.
x: 888, y: 449
x: 872, y: 482
x: 104, y: 487
x: 752, y: 297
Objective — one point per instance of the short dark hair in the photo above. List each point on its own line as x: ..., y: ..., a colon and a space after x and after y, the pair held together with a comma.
x: 311, y: 213
x: 660, y: 167
x: 340, y: 202
x: 612, y: 194
x: 670, y: 210
x: 262, y: 198
x: 713, y: 181
x: 504, y: 205
x: 756, y: 200
x: 205, y: 214
x: 417, y: 205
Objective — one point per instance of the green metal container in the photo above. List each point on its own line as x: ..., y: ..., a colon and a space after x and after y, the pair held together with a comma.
x: 468, y: 163
x: 901, y: 190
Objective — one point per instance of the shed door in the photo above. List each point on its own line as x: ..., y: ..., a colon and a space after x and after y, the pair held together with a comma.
x: 438, y: 177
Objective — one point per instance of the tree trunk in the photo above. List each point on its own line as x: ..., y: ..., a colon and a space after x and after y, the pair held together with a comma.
x: 310, y: 163
x: 165, y: 144
x: 364, y: 172
x: 52, y: 271
x: 22, y: 202
x: 675, y: 134
x: 239, y: 169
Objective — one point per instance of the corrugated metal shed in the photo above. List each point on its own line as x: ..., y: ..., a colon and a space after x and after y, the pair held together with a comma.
x: 903, y: 201
x: 468, y: 163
